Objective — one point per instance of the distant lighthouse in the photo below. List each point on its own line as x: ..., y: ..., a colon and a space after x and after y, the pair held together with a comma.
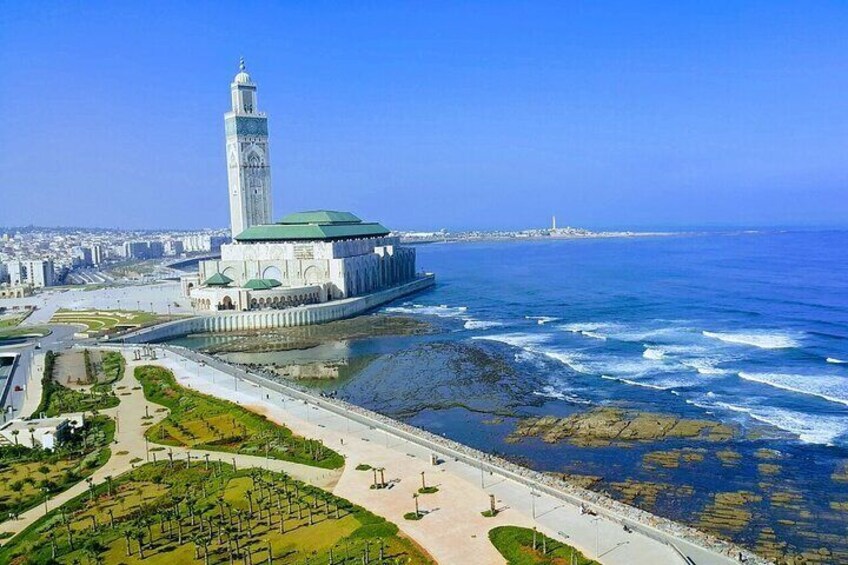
x: 553, y: 223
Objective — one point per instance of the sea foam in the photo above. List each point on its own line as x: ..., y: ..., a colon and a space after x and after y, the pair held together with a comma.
x: 758, y: 339
x: 836, y: 361
x: 817, y: 429
x: 834, y: 389
x: 444, y: 311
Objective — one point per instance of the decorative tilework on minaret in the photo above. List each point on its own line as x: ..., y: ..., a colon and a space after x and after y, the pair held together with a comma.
x: 248, y: 159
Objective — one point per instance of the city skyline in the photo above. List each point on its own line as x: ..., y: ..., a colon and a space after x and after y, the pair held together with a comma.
x: 605, y: 116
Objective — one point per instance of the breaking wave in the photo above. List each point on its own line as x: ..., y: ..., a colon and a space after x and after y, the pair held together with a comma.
x: 541, y: 320
x: 444, y: 311
x: 638, y: 383
x: 761, y: 340
x: 533, y: 343
x: 653, y: 353
x: 834, y: 389
x: 818, y: 429
x: 836, y: 361
x: 472, y: 324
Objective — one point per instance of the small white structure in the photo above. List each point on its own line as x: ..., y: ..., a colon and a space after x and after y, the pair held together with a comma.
x: 45, y: 433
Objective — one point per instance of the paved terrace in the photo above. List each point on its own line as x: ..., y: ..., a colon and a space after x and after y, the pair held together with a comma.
x: 453, y: 531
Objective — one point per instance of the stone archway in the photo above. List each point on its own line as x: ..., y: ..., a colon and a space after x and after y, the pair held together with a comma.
x: 312, y: 275
x: 227, y: 303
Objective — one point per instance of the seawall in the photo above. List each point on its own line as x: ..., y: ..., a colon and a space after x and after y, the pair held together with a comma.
x: 265, y: 319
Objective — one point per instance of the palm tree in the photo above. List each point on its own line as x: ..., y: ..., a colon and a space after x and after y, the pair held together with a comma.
x: 127, y: 535
x: 15, y: 435
x: 138, y: 534
x: 109, y: 484
x: 415, y: 498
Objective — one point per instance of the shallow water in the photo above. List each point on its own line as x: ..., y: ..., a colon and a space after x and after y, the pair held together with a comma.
x: 747, y: 328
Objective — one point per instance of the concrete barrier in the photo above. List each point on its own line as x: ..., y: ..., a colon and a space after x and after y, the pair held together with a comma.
x: 264, y: 319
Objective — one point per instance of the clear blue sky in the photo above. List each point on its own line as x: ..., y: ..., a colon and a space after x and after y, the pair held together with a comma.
x: 427, y: 115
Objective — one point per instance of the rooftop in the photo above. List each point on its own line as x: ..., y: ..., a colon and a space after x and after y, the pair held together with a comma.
x: 320, y: 225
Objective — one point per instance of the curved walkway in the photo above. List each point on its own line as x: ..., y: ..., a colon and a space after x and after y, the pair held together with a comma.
x: 130, y: 444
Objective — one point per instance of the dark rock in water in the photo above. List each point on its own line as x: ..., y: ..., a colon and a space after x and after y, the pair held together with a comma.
x: 442, y: 375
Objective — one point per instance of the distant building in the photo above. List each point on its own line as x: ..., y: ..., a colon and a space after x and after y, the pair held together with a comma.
x: 37, y: 274
x: 19, y: 291
x: 97, y: 255
x: 174, y: 247
x: 203, y: 243
x: 4, y: 273
x: 155, y: 249
x: 144, y: 249
x: 82, y: 257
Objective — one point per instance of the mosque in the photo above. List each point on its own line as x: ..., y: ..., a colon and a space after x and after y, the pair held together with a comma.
x: 304, y: 258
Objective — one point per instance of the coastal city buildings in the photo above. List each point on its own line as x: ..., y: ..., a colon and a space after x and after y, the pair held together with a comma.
x: 36, y: 273
x: 305, y: 258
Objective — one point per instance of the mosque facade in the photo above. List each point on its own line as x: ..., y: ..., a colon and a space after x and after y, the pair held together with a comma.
x: 306, y: 257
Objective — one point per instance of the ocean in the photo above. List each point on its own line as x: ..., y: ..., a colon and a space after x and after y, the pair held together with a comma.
x: 746, y: 328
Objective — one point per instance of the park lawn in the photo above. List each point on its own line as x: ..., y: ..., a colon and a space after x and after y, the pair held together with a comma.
x: 11, y: 332
x: 57, y: 399
x: 516, y: 546
x: 101, y: 321
x: 204, y: 422
x: 208, y: 507
x: 25, y: 472
x: 10, y: 322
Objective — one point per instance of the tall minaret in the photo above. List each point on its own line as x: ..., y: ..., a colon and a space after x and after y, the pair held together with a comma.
x: 248, y: 163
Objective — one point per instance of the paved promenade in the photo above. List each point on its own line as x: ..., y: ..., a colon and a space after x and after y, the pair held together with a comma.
x: 129, y: 445
x: 454, y: 530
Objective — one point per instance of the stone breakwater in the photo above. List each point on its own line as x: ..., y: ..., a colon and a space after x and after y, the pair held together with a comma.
x: 664, y: 530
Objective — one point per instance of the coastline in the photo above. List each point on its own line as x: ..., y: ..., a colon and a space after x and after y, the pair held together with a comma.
x: 685, y: 540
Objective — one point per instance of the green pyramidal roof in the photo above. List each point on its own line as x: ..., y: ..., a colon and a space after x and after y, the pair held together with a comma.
x: 320, y: 217
x: 262, y: 284
x: 218, y: 280
x: 317, y: 225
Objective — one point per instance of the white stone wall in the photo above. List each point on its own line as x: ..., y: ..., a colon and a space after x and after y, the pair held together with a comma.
x: 264, y: 319
x: 345, y: 268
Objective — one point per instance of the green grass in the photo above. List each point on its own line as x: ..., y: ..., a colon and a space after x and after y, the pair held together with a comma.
x: 516, y: 546
x: 57, y: 399
x: 25, y: 472
x: 104, y: 321
x: 428, y: 490
x: 363, y: 467
x: 10, y: 322
x: 205, y: 422
x: 489, y: 513
x: 110, y: 371
x: 176, y: 513
x: 12, y: 332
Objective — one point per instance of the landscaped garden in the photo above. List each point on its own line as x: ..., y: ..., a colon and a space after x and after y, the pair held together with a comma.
x: 28, y: 475
x: 171, y: 512
x: 57, y: 399
x: 105, y: 321
x: 524, y: 546
x: 203, y: 422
